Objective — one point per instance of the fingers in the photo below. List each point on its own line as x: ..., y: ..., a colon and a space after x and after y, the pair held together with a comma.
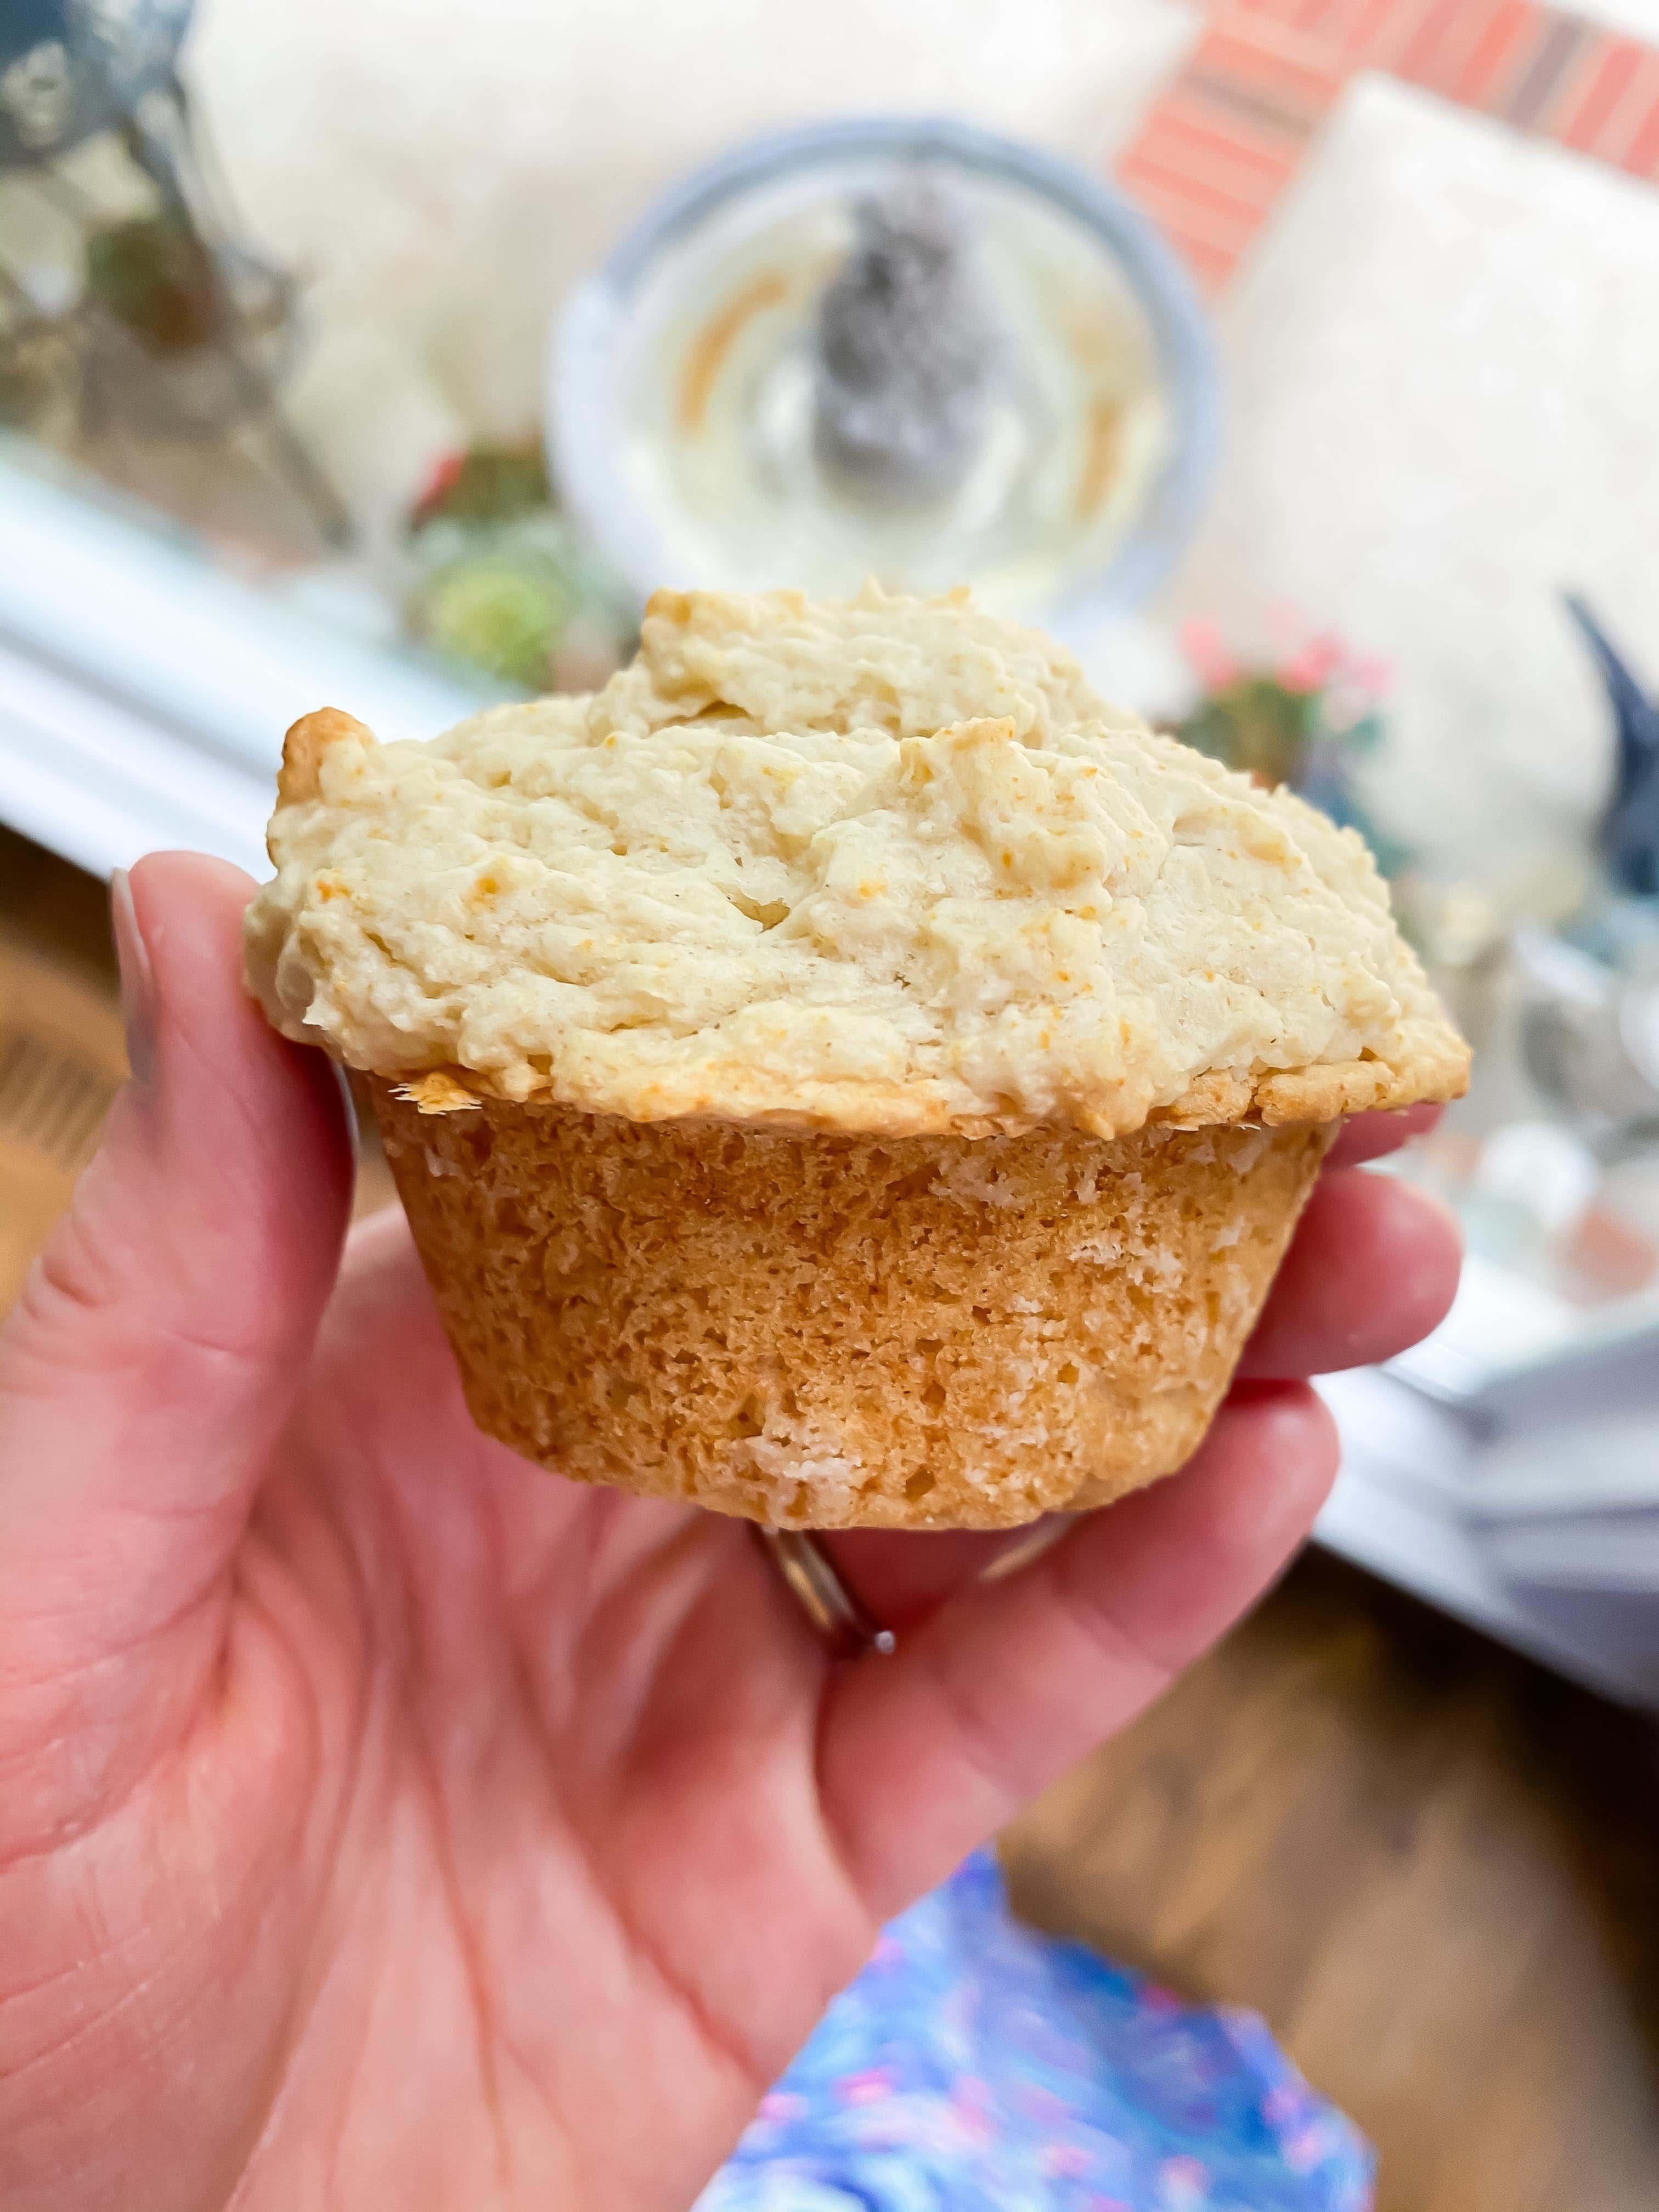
x: 157, y: 1345
x: 1010, y: 1682
x: 1373, y: 1267
x: 1370, y: 1136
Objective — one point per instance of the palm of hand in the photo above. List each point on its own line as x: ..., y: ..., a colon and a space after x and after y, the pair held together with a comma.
x: 383, y: 1820
x: 468, y: 1733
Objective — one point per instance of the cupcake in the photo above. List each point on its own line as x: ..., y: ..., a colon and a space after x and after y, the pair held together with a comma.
x: 843, y: 1073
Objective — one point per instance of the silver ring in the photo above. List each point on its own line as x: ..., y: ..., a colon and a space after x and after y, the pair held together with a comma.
x: 824, y: 1597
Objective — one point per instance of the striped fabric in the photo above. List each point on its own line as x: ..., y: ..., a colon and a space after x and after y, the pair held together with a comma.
x: 1232, y: 129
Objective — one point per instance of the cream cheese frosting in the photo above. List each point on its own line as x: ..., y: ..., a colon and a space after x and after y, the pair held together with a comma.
x: 882, y: 865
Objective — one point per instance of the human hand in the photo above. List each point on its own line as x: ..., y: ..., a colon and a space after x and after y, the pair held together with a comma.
x: 387, y: 1822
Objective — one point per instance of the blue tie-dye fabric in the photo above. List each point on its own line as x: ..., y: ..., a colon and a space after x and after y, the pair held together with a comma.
x: 976, y: 2066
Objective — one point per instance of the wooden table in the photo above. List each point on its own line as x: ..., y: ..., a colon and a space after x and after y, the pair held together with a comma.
x: 1432, y: 1866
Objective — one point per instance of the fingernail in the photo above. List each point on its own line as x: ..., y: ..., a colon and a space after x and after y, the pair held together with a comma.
x: 137, y: 980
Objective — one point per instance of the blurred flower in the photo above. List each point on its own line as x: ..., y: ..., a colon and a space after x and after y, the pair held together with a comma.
x: 1305, y: 720
x: 445, y: 476
x: 1213, y: 662
x: 1313, y: 665
x: 502, y: 581
x: 485, y: 485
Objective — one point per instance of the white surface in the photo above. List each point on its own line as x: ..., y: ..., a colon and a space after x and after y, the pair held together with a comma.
x: 83, y: 589
x: 89, y: 778
x: 1613, y: 1551
x: 1400, y: 1510
x: 143, y: 695
x: 1500, y: 1322
x: 1639, y: 17
x: 1614, y: 1465
x: 1444, y: 356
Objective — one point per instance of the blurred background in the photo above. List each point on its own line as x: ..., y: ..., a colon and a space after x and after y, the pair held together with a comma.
x: 1294, y: 361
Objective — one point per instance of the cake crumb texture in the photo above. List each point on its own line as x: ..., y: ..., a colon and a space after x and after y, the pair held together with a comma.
x: 830, y: 1331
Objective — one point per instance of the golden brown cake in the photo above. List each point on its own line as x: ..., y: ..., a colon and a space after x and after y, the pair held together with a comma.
x: 843, y: 1073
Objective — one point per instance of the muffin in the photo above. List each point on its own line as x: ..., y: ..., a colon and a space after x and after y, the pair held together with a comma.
x: 844, y: 1072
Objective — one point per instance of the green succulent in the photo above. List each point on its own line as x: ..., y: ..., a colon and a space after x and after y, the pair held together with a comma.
x: 500, y: 611
x: 1258, y: 725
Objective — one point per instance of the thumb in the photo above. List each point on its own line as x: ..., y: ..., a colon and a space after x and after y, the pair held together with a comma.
x: 154, y: 1352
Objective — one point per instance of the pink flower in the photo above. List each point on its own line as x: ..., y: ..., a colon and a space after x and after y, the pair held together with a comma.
x: 1208, y: 654
x: 1312, y: 668
x: 439, y: 484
